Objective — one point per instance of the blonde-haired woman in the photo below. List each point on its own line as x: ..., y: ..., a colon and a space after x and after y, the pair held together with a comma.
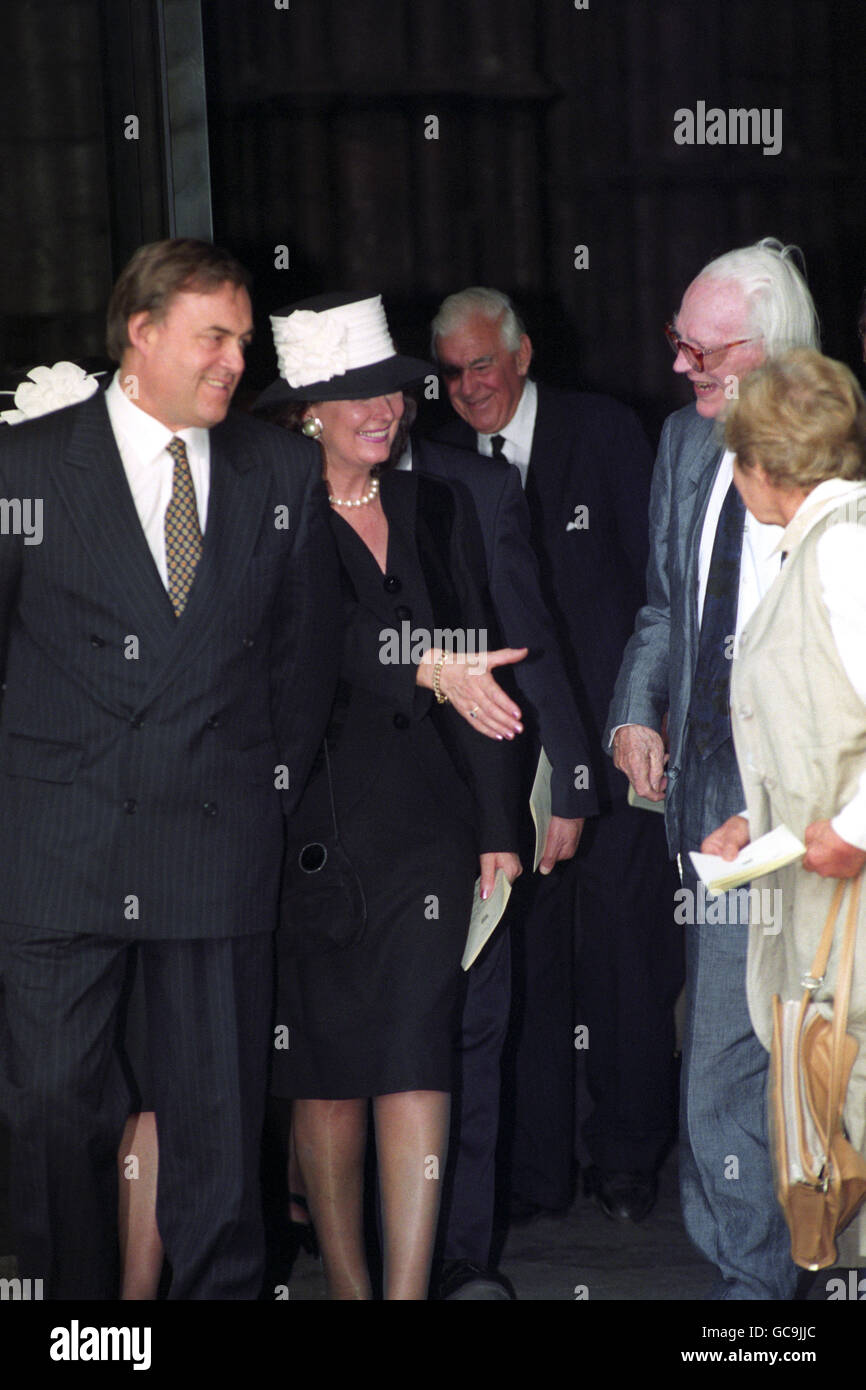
x: 420, y: 803
x: 798, y: 685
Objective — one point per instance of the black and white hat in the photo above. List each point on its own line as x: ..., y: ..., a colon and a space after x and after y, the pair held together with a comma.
x: 336, y: 348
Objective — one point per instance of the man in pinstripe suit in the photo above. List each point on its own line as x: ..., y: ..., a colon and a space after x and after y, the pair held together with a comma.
x: 169, y: 660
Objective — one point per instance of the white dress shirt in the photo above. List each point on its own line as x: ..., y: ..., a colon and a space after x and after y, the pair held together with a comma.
x: 518, y: 433
x: 141, y: 441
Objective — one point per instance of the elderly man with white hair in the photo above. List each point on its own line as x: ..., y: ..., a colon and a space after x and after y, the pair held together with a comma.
x: 710, y: 565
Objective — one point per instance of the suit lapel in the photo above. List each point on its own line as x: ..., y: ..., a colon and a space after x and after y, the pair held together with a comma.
x: 232, y: 527
x: 93, y: 483
x: 704, y: 444
x: 398, y: 494
x: 546, y: 475
x: 235, y: 514
x: 550, y: 438
x: 705, y: 450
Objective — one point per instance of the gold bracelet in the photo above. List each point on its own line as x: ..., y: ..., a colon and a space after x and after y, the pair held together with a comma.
x: 437, y: 672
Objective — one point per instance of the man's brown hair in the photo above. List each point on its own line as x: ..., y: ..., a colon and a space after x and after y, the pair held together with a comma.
x: 159, y: 271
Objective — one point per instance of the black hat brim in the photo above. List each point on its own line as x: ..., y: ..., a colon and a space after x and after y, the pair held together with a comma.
x: 358, y: 384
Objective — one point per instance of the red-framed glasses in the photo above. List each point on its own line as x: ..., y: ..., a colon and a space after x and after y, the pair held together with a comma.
x: 696, y: 356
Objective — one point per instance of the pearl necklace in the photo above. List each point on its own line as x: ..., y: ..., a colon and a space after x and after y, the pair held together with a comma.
x: 361, y: 501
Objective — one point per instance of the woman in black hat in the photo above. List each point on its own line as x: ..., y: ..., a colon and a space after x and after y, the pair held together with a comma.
x: 384, y: 848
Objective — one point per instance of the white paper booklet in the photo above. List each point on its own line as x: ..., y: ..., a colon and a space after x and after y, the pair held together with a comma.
x: 485, y: 917
x: 771, y: 851
x: 540, y: 805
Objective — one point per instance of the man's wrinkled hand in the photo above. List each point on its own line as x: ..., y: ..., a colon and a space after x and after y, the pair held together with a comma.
x: 640, y: 753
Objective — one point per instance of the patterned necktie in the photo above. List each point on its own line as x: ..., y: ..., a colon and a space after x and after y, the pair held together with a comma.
x: 497, y: 444
x: 183, y: 544
x: 710, y: 707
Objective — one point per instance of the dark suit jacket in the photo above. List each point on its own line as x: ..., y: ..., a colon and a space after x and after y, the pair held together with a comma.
x: 138, y: 752
x: 513, y: 581
x: 587, y: 451
x: 385, y: 702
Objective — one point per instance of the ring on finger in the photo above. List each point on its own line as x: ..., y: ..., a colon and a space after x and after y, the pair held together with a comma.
x: 473, y: 712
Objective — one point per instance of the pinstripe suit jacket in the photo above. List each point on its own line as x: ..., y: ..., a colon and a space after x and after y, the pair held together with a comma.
x: 138, y: 752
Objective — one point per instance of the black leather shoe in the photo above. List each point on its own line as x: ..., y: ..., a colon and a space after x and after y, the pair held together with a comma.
x: 621, y: 1196
x: 462, y: 1280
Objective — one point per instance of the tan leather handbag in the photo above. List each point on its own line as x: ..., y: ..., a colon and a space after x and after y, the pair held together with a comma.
x: 820, y: 1178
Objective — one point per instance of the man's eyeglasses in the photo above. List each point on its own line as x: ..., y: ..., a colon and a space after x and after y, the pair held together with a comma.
x: 696, y: 356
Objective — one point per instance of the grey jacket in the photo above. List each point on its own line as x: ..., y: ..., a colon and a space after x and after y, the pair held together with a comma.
x: 659, y: 661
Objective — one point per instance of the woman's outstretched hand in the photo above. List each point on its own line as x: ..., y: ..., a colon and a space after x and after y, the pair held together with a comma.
x: 468, y: 684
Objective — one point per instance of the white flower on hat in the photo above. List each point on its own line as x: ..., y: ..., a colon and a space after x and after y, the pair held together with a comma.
x: 315, y: 345
x: 310, y: 346
x: 50, y: 388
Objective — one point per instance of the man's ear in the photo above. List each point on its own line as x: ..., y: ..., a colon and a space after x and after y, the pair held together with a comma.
x: 759, y: 473
x: 140, y: 328
x: 523, y: 356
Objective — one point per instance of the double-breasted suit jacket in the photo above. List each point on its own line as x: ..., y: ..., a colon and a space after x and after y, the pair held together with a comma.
x: 141, y: 756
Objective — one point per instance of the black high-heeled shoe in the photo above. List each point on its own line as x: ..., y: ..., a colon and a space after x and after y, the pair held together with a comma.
x: 303, y: 1233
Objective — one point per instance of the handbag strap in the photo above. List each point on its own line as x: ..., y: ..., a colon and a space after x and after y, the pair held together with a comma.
x: 811, y: 982
x: 841, y: 998
x: 840, y: 1010
x: 822, y: 955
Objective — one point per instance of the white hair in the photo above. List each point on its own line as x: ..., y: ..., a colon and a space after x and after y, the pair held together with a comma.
x: 781, y: 309
x: 490, y: 304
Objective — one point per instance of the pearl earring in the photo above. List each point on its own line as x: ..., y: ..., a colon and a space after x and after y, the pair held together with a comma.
x: 312, y: 427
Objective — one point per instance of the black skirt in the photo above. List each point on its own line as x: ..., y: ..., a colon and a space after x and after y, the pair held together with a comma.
x: 381, y: 1015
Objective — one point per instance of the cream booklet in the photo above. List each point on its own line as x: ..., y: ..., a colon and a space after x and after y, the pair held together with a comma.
x: 485, y: 916
x: 539, y: 805
x: 771, y: 851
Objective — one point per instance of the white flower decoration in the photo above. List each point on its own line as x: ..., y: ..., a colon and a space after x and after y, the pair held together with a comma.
x: 50, y: 388
x: 310, y: 347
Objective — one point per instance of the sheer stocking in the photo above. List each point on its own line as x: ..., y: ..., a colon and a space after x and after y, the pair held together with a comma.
x: 411, y: 1145
x: 141, y: 1250
x: 330, y: 1137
